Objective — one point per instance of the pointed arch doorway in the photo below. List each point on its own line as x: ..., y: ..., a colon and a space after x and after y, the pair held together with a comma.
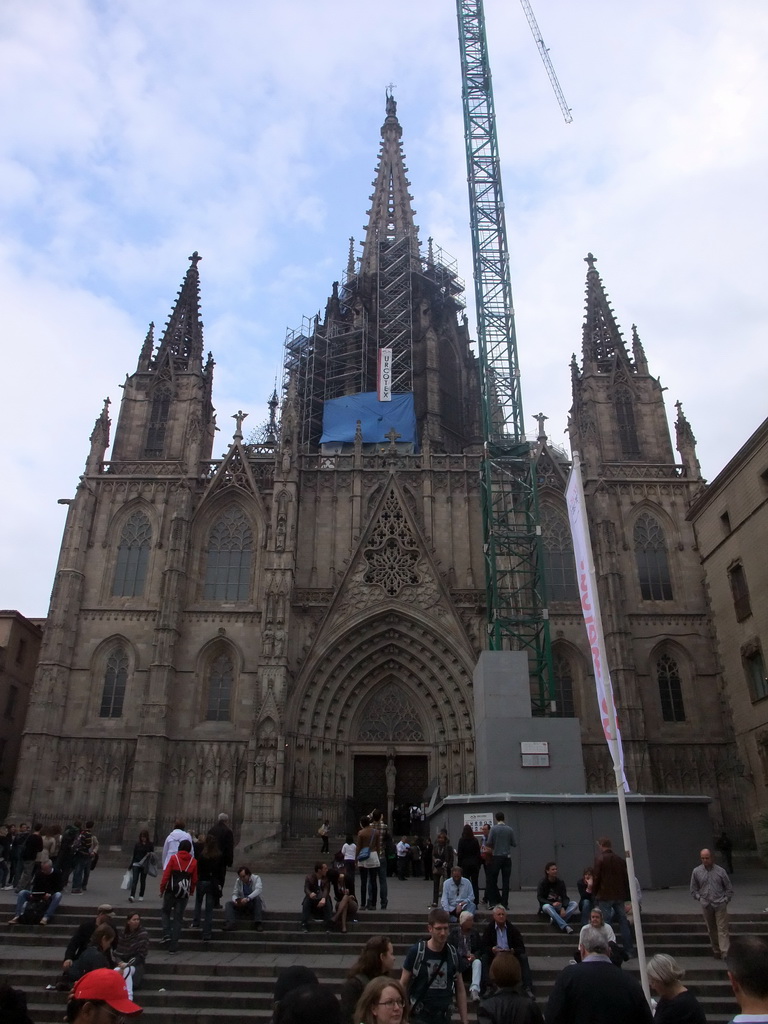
x: 391, y: 758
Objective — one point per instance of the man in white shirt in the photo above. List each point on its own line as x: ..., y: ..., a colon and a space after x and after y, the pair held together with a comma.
x: 747, y: 964
x: 246, y: 900
x: 174, y: 837
x: 403, y: 849
x: 458, y: 895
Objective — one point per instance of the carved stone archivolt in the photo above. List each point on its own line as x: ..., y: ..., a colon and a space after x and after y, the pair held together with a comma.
x: 372, y: 655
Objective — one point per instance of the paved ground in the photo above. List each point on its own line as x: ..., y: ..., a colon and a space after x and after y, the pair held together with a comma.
x: 283, y: 893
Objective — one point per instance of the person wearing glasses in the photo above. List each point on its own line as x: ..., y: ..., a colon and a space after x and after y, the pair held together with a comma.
x: 100, y: 997
x: 382, y: 1002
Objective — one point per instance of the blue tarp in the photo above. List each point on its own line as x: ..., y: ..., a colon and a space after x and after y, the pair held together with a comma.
x: 340, y: 416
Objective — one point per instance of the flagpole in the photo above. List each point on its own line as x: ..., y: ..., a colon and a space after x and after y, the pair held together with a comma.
x: 577, y: 516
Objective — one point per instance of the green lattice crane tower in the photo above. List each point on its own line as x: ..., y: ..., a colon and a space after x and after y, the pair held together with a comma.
x: 515, y: 589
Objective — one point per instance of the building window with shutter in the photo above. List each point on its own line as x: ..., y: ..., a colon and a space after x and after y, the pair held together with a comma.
x: 754, y: 667
x: 740, y: 591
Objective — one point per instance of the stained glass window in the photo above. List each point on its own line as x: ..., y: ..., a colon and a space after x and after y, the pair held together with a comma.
x: 230, y: 550
x: 651, y: 556
x: 115, y: 680
x: 670, y: 689
x: 221, y: 676
x: 132, y: 557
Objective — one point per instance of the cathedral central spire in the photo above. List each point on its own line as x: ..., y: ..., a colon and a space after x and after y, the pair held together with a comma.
x: 390, y: 218
x: 182, y: 341
x: 601, y: 340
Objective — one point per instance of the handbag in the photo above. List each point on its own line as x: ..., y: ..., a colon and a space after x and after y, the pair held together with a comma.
x: 365, y: 853
x: 152, y: 866
x: 126, y: 882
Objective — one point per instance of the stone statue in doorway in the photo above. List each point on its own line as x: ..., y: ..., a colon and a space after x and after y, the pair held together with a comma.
x: 391, y: 773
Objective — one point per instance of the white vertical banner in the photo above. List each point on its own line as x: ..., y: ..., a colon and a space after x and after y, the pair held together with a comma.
x: 384, y: 388
x: 590, y: 607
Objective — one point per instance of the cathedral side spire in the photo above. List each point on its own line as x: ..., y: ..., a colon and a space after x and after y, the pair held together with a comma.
x: 145, y: 356
x: 601, y: 338
x: 182, y: 342
x: 686, y: 444
x: 390, y: 217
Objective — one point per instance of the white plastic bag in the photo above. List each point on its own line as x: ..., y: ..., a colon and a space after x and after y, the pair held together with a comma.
x: 126, y: 882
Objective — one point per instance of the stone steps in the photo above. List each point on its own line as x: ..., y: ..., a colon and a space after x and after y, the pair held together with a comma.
x: 233, y: 976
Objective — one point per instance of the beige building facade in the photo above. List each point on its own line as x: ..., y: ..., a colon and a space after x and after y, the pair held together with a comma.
x: 289, y: 632
x: 731, y: 522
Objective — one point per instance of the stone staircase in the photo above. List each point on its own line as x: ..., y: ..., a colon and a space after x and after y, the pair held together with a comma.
x: 234, y: 975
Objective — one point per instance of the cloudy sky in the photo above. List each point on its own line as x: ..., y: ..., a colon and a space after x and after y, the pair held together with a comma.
x: 134, y: 133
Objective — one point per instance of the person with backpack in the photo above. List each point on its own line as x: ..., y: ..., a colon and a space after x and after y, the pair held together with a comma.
x: 83, y: 850
x: 65, y: 859
x: 431, y: 975
x: 176, y: 886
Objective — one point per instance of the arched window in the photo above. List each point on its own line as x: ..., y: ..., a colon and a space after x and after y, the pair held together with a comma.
x: 670, y: 689
x: 228, y: 566
x: 158, y: 422
x: 221, y: 676
x: 132, y: 557
x: 115, y: 680
x: 563, y: 680
x: 557, y: 549
x: 625, y: 418
x: 651, y: 556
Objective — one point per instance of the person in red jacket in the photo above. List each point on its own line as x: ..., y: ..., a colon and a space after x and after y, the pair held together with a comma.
x: 176, y: 886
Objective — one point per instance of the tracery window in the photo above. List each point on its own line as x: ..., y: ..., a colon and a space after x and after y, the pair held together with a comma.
x: 115, y: 681
x: 557, y: 550
x: 132, y: 557
x: 392, y: 554
x: 228, y: 557
x: 651, y: 557
x: 670, y: 689
x: 221, y: 677
x: 563, y: 685
x: 390, y: 717
x: 158, y: 423
x: 625, y: 418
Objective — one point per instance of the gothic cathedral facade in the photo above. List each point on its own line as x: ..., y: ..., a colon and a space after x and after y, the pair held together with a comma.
x: 290, y: 630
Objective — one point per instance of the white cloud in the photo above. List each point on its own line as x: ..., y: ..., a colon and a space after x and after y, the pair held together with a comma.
x: 133, y: 134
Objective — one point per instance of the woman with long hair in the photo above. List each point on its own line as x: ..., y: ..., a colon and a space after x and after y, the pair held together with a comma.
x: 210, y: 866
x: 377, y: 958
x: 586, y: 887
x: 368, y: 867
x: 383, y: 1002
x: 469, y: 860
x: 346, y: 901
x: 132, y: 947
x: 676, y: 1004
x: 97, y: 954
x: 139, y: 865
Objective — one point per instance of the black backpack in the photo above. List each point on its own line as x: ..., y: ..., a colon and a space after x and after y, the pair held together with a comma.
x: 181, y: 881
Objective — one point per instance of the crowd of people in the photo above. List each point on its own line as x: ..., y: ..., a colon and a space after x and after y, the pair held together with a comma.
x: 462, y: 961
